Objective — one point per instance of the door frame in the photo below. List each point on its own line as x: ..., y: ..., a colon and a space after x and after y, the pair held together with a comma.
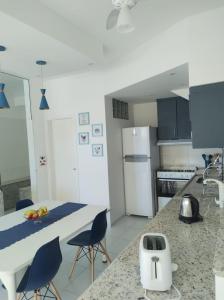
x: 50, y: 151
x: 30, y: 139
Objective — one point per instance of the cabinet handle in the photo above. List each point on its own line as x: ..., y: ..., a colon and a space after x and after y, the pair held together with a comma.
x: 174, y: 131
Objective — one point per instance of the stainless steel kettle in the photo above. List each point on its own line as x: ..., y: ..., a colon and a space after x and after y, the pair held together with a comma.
x: 189, y: 209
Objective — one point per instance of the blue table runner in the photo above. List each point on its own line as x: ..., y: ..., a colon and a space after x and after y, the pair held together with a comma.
x: 23, y: 230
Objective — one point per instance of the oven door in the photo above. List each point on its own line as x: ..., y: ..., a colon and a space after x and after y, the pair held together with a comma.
x: 167, y: 189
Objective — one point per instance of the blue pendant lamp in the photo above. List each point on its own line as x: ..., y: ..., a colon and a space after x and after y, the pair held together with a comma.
x: 3, y: 100
x: 43, y: 102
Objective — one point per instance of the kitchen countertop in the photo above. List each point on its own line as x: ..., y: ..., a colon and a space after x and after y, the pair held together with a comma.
x: 218, y: 267
x: 198, y: 249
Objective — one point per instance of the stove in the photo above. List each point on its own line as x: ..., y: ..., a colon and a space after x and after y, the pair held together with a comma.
x: 183, y: 173
x: 171, y: 181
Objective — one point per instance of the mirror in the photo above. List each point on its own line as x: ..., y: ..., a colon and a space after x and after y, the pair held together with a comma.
x: 14, y: 156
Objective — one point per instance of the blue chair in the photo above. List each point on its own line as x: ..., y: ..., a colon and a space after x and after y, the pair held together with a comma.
x: 23, y: 204
x: 89, y: 242
x: 38, y: 276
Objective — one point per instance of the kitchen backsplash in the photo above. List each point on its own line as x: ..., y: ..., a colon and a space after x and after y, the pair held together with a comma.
x: 184, y: 155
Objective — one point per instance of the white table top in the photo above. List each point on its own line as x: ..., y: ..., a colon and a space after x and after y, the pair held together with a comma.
x: 21, y: 253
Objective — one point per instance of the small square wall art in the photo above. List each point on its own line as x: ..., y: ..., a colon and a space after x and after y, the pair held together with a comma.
x: 97, y: 130
x: 84, y: 118
x: 97, y: 150
x: 83, y: 138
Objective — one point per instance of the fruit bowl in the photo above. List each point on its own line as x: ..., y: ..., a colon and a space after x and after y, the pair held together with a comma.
x: 36, y: 215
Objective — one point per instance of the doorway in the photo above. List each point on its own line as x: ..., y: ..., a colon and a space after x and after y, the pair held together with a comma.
x: 64, y: 171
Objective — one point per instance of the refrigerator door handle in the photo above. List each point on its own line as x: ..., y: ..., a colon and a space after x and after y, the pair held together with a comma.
x: 136, y: 158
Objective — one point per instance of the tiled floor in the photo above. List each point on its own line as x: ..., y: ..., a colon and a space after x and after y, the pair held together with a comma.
x: 118, y: 237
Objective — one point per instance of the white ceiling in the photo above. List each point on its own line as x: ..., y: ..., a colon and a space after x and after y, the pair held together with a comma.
x: 32, y: 32
x: 156, y: 87
x: 71, y: 34
x: 151, y: 17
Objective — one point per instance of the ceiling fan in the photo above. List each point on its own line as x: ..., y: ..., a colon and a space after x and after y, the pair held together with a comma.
x: 120, y: 16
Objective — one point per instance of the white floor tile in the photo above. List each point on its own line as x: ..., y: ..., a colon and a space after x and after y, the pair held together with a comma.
x: 65, y: 295
x: 79, y: 283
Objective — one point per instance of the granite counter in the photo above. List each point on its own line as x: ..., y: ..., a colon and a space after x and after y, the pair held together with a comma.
x: 195, y: 248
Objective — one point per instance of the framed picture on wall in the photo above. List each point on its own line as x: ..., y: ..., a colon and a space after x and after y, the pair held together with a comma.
x: 84, y: 118
x: 97, y: 130
x: 83, y: 138
x: 97, y: 150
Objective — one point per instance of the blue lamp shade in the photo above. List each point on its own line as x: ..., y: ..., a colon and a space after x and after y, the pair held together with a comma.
x: 3, y: 101
x: 43, y: 102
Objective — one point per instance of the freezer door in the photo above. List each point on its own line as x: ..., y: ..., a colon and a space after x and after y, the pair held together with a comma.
x: 138, y: 188
x: 136, y: 141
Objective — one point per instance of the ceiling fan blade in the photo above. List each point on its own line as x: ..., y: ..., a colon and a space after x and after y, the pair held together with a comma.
x: 112, y: 19
x: 133, y: 4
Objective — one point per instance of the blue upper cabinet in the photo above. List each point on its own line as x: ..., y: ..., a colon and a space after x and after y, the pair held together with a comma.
x: 183, y: 119
x: 173, y: 119
x: 167, y: 120
x: 207, y: 115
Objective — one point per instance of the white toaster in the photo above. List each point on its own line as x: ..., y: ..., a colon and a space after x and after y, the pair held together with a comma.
x: 155, y: 262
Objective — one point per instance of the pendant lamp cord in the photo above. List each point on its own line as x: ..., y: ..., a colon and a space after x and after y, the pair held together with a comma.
x: 41, y: 74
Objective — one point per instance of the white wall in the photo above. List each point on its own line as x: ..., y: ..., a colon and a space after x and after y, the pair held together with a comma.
x: 145, y: 114
x: 115, y: 161
x: 206, y: 43
x: 67, y: 96
x: 40, y: 192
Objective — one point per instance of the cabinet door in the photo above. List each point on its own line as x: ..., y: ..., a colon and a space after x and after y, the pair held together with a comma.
x: 183, y: 119
x: 167, y: 119
x: 206, y: 112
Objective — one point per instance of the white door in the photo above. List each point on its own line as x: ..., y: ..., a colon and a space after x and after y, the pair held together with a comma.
x: 138, y: 188
x: 65, y: 160
x: 136, y: 141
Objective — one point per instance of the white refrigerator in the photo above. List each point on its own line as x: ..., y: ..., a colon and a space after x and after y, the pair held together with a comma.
x: 141, y: 160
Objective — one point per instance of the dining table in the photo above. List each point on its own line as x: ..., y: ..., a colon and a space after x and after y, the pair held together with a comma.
x: 18, y: 251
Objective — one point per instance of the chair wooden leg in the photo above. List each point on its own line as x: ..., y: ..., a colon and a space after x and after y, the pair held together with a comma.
x: 90, y: 259
x: 55, y: 291
x: 35, y: 296
x: 105, y: 252
x: 39, y: 295
x: 75, y: 261
x: 104, y: 258
x: 92, y: 263
x: 19, y: 296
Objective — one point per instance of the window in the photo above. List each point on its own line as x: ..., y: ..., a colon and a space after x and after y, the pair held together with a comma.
x: 120, y: 110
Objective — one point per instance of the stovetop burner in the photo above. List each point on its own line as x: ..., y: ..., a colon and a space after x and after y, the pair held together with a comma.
x: 178, y: 169
x: 176, y: 172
